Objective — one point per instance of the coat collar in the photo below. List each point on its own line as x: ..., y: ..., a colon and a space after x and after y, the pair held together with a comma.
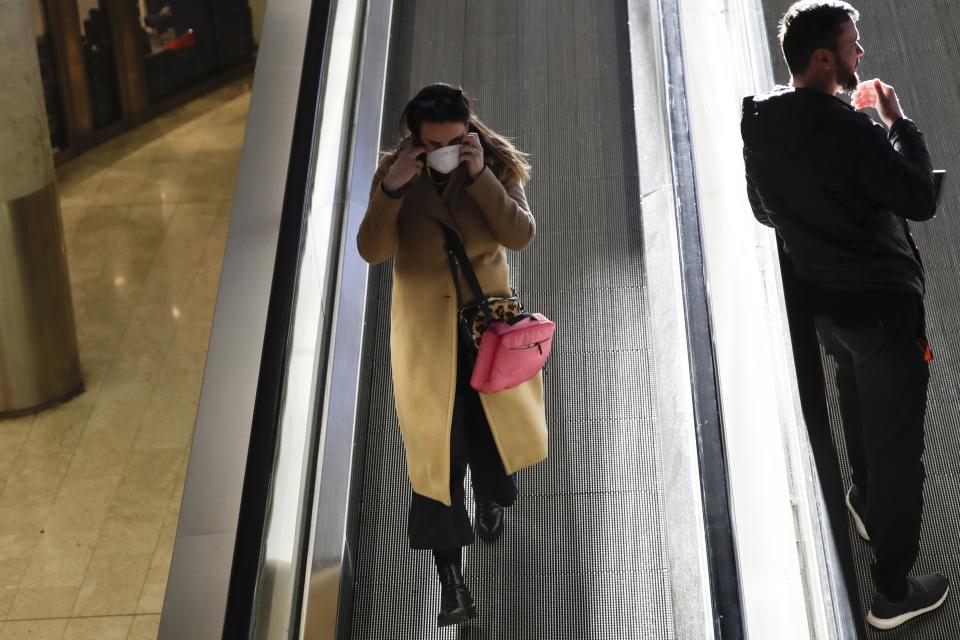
x: 440, y: 206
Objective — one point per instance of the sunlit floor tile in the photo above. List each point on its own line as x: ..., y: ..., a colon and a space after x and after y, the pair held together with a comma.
x: 7, y: 595
x: 99, y: 343
x: 44, y: 457
x: 144, y: 627
x: 126, y: 392
x: 151, y: 596
x: 37, y: 603
x: 78, y: 515
x: 33, y: 630
x: 13, y: 433
x: 20, y: 529
x: 60, y: 560
x: 113, y: 583
x: 111, y: 628
x: 133, y: 525
x: 166, y: 425
x: 104, y: 450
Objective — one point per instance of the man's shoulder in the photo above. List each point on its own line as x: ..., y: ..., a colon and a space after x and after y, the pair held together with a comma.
x: 812, y: 104
x: 852, y: 126
x: 853, y: 118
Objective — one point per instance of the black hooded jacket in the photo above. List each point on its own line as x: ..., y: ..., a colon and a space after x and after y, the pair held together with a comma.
x: 837, y: 190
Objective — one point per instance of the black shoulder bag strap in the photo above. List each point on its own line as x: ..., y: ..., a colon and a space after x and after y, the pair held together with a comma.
x: 456, y: 254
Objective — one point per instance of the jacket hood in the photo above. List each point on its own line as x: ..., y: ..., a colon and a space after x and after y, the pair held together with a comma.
x: 777, y: 123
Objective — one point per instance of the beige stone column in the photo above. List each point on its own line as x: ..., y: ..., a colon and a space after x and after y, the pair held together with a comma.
x: 39, y: 364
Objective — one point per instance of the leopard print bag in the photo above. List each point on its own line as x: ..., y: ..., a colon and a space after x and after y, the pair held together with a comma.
x: 475, y: 318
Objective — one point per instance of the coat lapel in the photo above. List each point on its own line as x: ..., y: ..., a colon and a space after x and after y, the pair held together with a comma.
x: 436, y: 205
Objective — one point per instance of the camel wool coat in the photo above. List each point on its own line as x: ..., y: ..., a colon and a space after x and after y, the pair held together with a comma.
x: 489, y: 218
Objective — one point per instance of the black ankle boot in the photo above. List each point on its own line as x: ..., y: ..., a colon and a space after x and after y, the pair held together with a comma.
x: 456, y: 603
x: 488, y: 518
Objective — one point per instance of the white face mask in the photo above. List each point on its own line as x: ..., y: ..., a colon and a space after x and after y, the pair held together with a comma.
x: 444, y: 159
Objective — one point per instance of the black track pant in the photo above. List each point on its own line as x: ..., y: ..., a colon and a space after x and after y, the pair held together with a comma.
x: 878, y: 343
x: 433, y: 525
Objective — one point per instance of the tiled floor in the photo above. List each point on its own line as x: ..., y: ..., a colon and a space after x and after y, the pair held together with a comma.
x: 90, y: 491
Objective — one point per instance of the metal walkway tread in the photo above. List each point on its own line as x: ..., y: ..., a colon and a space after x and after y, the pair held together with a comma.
x: 583, y: 554
x: 913, y: 46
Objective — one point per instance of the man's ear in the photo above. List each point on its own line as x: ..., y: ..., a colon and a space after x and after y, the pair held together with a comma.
x: 824, y: 59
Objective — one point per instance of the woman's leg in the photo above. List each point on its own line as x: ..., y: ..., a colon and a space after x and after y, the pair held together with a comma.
x: 490, y: 480
x: 432, y: 524
x: 493, y: 489
x: 446, y: 530
x: 456, y: 603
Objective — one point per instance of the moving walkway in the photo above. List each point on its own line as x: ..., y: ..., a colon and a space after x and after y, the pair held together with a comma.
x: 681, y: 497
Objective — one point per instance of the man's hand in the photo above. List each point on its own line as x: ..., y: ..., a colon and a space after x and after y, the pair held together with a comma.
x: 880, y: 96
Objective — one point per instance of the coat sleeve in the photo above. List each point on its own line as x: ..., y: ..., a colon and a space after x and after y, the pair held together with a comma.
x: 505, y: 208
x: 377, y: 237
x: 897, y: 173
x: 753, y: 195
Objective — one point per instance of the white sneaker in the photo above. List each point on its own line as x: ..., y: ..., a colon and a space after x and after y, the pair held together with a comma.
x: 858, y: 511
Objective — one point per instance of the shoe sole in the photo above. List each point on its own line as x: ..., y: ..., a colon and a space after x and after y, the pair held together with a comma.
x: 857, y: 522
x: 458, y: 618
x: 885, y: 624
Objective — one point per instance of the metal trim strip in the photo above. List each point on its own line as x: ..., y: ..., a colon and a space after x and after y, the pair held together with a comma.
x: 683, y: 512
x: 329, y: 586
x: 266, y: 431
x: 721, y: 549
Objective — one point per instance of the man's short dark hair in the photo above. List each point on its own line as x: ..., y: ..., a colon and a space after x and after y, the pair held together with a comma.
x: 809, y: 25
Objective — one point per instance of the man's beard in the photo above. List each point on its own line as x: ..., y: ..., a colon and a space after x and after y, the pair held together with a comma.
x: 848, y: 79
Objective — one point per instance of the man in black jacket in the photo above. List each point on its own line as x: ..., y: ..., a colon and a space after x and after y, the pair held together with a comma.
x: 839, y: 189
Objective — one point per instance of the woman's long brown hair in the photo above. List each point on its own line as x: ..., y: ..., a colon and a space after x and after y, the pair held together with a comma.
x: 441, y: 102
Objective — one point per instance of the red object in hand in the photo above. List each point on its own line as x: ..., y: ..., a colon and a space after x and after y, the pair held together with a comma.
x: 186, y: 41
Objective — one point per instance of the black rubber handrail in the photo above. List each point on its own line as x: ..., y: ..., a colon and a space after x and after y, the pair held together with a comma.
x: 264, y: 432
x: 714, y: 477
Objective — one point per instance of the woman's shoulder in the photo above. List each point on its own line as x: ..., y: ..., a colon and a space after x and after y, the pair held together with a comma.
x: 508, y: 177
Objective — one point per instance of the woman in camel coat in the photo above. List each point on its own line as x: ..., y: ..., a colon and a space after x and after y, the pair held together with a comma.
x: 476, y: 191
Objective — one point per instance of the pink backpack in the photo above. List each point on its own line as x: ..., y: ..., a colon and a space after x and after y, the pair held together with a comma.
x: 511, y: 354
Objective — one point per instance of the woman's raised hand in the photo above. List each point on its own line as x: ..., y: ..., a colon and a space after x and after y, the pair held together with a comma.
x: 471, y: 153
x: 405, y: 168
